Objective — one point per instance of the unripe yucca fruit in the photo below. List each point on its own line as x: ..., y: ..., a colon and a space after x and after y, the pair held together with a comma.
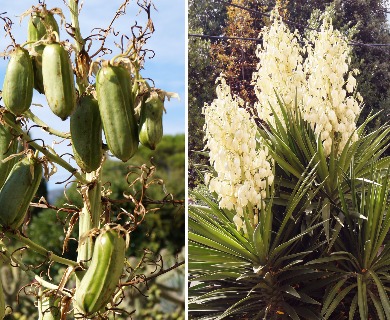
x: 18, y: 82
x: 99, y: 282
x: 113, y: 87
x: 18, y: 191
x: 58, y: 80
x: 39, y: 25
x: 150, y: 123
x: 86, y: 133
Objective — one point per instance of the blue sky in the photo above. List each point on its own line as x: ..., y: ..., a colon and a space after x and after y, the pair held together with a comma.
x: 167, y: 68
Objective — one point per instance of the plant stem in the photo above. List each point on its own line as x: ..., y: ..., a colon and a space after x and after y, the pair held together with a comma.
x: 74, y: 13
x: 82, y: 74
x: 51, y: 156
x: 89, y: 219
x: 45, y: 127
x: 41, y: 250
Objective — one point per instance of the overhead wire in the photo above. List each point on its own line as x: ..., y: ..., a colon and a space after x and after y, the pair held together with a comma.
x: 352, y: 43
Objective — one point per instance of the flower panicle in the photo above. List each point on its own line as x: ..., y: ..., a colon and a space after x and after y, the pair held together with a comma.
x: 241, y: 162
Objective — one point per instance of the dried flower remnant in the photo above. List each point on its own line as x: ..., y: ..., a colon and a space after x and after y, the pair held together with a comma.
x: 241, y: 161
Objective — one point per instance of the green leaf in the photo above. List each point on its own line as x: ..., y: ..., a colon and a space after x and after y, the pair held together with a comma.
x: 290, y: 311
x: 222, y: 247
x: 261, y: 250
x: 382, y: 294
x: 337, y: 300
x: 362, y: 297
x: 332, y: 293
x: 290, y: 290
x: 378, y: 306
x: 353, y: 307
x: 284, y: 245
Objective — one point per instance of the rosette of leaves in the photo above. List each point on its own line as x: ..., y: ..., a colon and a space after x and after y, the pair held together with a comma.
x: 321, y: 247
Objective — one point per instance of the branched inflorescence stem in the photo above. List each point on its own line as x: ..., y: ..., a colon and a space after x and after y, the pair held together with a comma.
x: 40, y: 250
x: 51, y: 156
x: 45, y: 127
x: 8, y: 258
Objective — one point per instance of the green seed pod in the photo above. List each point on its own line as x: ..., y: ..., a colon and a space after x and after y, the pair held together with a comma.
x: 18, y: 191
x: 18, y: 82
x: 113, y: 86
x: 150, y: 122
x: 50, y: 309
x: 102, y: 276
x: 86, y: 133
x: 39, y: 25
x: 8, y: 146
x: 58, y: 80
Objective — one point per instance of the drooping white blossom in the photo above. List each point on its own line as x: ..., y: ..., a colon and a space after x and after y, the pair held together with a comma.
x: 329, y: 104
x: 242, y: 164
x: 322, y: 83
x: 280, y: 69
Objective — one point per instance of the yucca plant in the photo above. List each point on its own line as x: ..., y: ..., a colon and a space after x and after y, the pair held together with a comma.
x: 316, y: 253
x: 256, y: 275
x: 361, y: 269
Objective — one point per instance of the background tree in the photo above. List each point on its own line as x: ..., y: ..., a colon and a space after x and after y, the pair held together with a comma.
x: 237, y: 58
x: 204, y: 17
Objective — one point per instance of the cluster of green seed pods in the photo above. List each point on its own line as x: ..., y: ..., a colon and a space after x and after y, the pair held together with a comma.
x: 46, y: 66
x: 122, y: 132
x: 49, y: 70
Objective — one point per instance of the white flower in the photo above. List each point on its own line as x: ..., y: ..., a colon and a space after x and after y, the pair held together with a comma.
x: 238, y: 221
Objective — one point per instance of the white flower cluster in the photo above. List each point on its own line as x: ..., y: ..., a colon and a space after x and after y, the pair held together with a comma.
x: 280, y: 69
x: 241, y: 162
x: 327, y: 101
x: 328, y: 104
